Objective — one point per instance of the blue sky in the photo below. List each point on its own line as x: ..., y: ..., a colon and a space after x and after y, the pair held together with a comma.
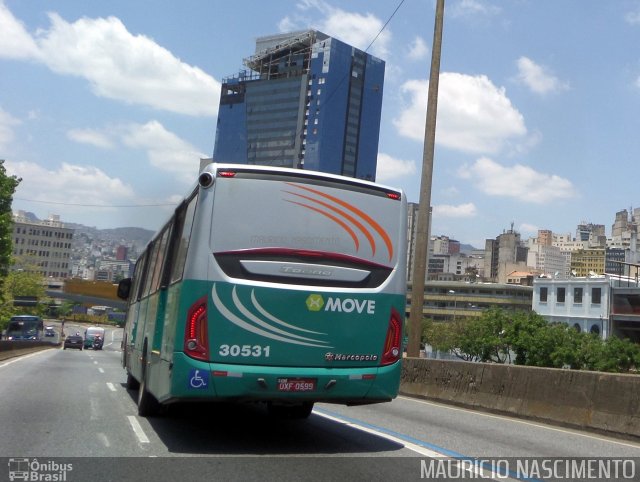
x: 106, y: 107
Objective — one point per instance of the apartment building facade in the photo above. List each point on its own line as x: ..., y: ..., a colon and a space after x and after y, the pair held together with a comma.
x: 44, y: 246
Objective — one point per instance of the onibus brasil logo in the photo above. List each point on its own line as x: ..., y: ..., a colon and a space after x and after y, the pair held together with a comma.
x: 32, y: 469
x: 315, y: 302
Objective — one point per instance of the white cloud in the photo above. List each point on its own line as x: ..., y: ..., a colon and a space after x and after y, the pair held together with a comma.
x: 92, y: 137
x: 451, y: 191
x: 473, y: 9
x: 418, y: 49
x: 126, y: 67
x: 354, y: 29
x: 390, y: 168
x: 466, y: 210
x: 518, y: 182
x: 358, y: 30
x: 526, y: 228
x: 287, y: 24
x: 538, y: 78
x: 117, y: 64
x: 633, y: 17
x: 165, y: 150
x: 473, y: 114
x: 15, y: 41
x: 6, y: 130
x: 69, y: 184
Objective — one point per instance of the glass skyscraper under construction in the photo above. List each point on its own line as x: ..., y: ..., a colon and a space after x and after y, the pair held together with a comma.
x: 306, y: 101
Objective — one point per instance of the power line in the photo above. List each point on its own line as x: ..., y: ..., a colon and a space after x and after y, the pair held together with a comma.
x: 97, y: 205
x: 385, y: 25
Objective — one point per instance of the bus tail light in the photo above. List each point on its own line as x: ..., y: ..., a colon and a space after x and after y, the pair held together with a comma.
x: 196, y: 338
x: 392, y: 349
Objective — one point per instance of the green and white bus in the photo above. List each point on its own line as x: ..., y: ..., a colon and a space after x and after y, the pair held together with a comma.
x: 272, y: 285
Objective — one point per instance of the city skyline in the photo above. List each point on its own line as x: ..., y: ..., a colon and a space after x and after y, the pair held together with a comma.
x: 104, y: 105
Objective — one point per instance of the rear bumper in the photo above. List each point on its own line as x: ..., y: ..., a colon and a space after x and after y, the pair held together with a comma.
x: 195, y: 380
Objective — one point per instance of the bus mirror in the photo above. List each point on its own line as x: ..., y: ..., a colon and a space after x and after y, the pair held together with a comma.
x: 124, y: 287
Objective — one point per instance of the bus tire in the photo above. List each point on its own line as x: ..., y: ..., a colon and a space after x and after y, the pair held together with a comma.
x: 148, y: 405
x: 123, y: 347
x: 132, y: 383
x: 290, y: 412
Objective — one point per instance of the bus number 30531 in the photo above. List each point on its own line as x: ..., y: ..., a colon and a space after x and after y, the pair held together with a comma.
x: 244, y: 350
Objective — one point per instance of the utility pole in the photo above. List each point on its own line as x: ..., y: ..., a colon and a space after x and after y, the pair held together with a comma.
x: 422, y: 231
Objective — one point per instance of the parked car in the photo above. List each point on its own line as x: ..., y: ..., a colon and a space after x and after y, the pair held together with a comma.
x: 73, y: 341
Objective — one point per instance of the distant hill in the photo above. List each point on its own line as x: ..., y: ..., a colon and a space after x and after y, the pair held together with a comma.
x: 467, y: 248
x: 138, y: 236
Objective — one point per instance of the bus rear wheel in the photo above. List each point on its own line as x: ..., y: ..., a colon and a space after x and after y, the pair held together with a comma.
x: 132, y: 383
x: 291, y: 412
x: 148, y: 405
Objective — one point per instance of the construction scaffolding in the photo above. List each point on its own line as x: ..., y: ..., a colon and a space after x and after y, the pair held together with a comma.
x: 287, y: 55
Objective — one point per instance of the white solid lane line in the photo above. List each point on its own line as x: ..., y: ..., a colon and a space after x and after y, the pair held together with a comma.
x: 137, y: 429
x: 520, y: 421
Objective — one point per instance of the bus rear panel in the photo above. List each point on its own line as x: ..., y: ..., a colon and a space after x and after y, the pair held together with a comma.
x: 293, y: 289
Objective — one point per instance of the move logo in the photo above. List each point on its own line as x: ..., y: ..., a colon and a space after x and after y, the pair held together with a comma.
x: 315, y: 302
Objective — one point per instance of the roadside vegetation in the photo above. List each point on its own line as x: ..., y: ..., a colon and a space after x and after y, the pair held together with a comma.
x: 22, y: 291
x: 526, y: 338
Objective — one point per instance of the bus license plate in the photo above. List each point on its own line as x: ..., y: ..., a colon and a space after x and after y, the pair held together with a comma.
x: 296, y: 384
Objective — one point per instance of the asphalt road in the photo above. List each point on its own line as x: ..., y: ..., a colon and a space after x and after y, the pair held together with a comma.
x: 73, y: 405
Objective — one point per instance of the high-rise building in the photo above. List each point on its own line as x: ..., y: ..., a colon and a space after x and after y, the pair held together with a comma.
x: 121, y: 253
x: 503, y: 255
x: 548, y: 259
x: 545, y: 237
x: 307, y: 101
x: 412, y: 234
x: 593, y: 233
x: 42, y: 246
x: 585, y: 262
x: 621, y: 223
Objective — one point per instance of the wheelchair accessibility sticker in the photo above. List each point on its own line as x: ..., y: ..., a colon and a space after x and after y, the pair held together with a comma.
x: 198, y: 379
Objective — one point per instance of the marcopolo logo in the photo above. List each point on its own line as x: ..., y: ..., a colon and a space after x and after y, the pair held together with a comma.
x: 315, y: 302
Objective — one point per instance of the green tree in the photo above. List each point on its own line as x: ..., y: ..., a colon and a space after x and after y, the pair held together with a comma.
x: 526, y: 338
x: 66, y: 308
x: 21, y: 283
x: 8, y: 185
x: 520, y: 330
x: 617, y: 355
x: 446, y: 336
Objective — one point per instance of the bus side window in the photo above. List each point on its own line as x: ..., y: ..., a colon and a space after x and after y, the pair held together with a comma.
x: 184, y: 222
x: 153, y: 256
x: 160, y: 256
x: 138, y: 278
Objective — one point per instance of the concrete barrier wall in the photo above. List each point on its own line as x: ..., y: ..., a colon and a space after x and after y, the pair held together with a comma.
x: 588, y: 400
x: 11, y: 349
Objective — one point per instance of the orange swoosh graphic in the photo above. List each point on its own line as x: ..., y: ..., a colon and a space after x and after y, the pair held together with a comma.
x: 344, y: 225
x: 358, y: 224
x: 383, y: 234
